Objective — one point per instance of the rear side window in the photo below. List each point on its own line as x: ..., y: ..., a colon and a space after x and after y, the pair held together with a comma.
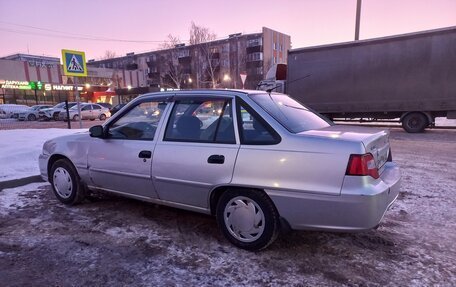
x: 208, y: 121
x: 292, y: 115
x: 253, y: 129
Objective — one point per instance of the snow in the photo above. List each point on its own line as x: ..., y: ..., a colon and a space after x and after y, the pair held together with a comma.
x: 123, y: 242
x: 19, y: 150
x: 17, y: 198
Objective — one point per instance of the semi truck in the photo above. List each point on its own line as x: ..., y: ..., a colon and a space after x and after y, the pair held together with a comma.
x: 410, y: 77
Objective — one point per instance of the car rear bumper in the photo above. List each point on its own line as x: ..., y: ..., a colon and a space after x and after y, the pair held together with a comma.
x: 360, y: 206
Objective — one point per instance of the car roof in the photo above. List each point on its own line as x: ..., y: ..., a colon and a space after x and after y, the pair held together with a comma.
x: 170, y: 95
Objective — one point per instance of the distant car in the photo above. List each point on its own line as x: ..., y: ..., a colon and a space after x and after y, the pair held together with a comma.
x: 258, y: 161
x: 11, y: 110
x: 106, y: 105
x: 32, y: 113
x: 53, y: 113
x: 116, y: 108
x: 88, y: 112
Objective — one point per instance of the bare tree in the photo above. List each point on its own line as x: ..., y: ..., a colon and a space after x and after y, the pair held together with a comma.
x: 173, y: 68
x: 170, y: 43
x: 109, y: 54
x: 209, y: 56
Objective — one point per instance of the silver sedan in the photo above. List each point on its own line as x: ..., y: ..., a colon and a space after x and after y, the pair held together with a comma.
x: 88, y: 112
x: 257, y: 161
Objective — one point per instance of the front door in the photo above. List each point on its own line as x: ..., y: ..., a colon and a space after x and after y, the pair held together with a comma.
x: 198, y: 151
x: 123, y: 161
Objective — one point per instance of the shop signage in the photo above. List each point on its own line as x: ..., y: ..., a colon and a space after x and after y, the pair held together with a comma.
x: 56, y: 87
x: 40, y: 64
x: 74, y: 63
x: 20, y: 85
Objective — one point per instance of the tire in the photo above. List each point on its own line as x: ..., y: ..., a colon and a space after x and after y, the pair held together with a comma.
x: 66, y: 183
x: 75, y: 118
x: 260, y: 219
x: 55, y: 117
x: 102, y: 117
x: 415, y: 122
x: 92, y: 119
x: 31, y: 117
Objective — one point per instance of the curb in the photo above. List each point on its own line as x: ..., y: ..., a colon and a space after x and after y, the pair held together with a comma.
x: 20, y: 182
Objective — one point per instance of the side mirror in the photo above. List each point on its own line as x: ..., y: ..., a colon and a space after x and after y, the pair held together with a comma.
x: 96, y: 132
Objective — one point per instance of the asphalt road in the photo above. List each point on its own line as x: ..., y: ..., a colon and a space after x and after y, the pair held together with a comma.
x: 118, y: 242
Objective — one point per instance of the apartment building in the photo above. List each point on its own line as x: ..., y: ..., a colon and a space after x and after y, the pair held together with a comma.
x: 223, y: 63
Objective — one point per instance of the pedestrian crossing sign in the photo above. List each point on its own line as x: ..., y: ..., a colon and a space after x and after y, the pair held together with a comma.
x: 74, y: 63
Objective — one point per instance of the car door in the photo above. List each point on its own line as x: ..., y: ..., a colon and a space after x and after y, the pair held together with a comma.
x: 197, y: 150
x: 122, y: 162
x: 86, y: 112
x: 96, y: 111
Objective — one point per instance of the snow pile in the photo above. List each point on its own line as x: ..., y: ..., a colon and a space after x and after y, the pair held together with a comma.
x: 19, y: 150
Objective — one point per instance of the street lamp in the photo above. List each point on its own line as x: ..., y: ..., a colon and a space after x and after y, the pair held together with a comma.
x: 227, y: 79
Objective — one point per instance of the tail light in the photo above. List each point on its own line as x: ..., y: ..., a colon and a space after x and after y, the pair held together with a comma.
x: 362, y: 164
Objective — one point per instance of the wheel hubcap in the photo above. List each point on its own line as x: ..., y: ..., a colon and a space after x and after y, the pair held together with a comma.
x: 62, y: 182
x: 244, y: 219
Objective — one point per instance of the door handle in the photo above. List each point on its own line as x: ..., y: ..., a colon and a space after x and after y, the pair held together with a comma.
x: 216, y: 159
x: 145, y: 154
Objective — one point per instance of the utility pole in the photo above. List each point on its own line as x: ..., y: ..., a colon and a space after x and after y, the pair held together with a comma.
x: 358, y: 19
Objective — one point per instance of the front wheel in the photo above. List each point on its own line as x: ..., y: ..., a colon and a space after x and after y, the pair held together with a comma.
x: 31, y: 117
x: 65, y: 182
x: 415, y: 122
x: 75, y: 118
x: 102, y: 117
x: 248, y: 218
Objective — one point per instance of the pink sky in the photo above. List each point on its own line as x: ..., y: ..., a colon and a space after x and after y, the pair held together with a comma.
x: 308, y: 22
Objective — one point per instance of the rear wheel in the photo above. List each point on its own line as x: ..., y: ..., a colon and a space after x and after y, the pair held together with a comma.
x: 415, y: 122
x: 31, y: 117
x: 75, y: 118
x: 102, y: 117
x: 248, y: 218
x: 55, y: 117
x: 65, y: 182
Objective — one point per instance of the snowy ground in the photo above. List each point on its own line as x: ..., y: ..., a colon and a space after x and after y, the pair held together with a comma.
x: 113, y: 241
x: 19, y: 150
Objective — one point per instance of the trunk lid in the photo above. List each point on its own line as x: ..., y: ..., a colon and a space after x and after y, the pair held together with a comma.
x: 375, y: 141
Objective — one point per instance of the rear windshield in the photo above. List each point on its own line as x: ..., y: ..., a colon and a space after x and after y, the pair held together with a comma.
x: 292, y: 115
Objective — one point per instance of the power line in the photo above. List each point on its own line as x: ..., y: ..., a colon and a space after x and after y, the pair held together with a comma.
x: 68, y: 35
x: 76, y: 36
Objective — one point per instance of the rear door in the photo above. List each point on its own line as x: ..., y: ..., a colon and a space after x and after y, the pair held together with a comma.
x: 96, y: 111
x: 197, y: 151
x: 86, y: 112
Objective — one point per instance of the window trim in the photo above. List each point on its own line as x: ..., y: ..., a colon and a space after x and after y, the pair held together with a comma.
x: 269, y: 128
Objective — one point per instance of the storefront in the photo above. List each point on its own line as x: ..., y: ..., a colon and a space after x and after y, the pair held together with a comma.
x: 32, y: 93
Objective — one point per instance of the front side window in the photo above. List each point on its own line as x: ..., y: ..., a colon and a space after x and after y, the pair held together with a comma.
x: 139, y: 123
x: 209, y: 121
